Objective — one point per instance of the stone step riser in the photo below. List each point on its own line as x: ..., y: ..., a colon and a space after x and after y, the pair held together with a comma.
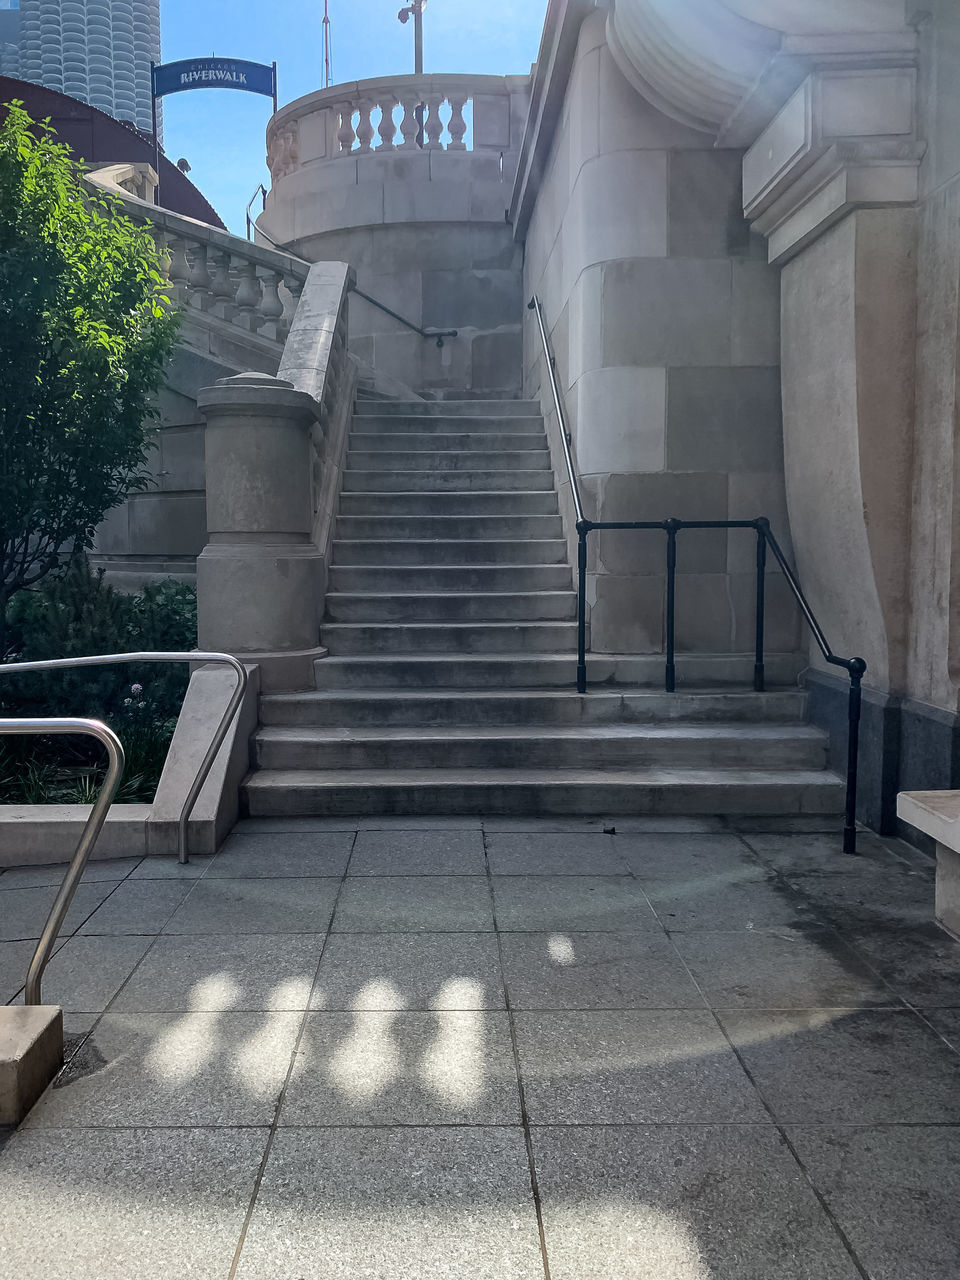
x: 539, y: 753
x: 496, y: 410
x: 445, y: 528
x: 387, y: 710
x: 446, y: 442
x: 518, y: 504
x: 401, y: 578
x: 345, y: 639
x: 491, y: 672
x: 506, y: 551
x: 452, y: 460
x: 380, y: 481
x: 465, y: 607
x: 543, y: 799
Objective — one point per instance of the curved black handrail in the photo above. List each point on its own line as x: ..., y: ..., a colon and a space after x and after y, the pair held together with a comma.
x: 439, y: 334
x: 855, y: 667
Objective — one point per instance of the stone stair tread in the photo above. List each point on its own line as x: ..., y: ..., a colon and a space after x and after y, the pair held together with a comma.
x: 599, y: 732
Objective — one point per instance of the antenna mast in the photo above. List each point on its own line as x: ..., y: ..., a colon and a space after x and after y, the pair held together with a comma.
x: 327, y: 47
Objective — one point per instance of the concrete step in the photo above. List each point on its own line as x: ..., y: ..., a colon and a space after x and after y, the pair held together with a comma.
x: 515, y: 503
x: 673, y: 746
x: 399, y: 639
x: 452, y: 606
x: 446, y: 577
x: 458, y: 551
x: 540, y: 792
x: 447, y: 671
x: 499, y: 707
x: 496, y: 409
x: 449, y: 527
x: 430, y: 441
x: 449, y: 460
x: 431, y: 481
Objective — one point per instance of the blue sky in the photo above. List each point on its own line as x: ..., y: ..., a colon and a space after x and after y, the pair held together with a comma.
x: 221, y: 132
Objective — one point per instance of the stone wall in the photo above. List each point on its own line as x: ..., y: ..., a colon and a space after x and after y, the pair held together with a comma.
x: 664, y: 320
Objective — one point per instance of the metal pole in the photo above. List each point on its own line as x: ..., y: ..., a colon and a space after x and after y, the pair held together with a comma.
x: 671, y: 527
x: 857, y: 667
x: 418, y: 37
x: 156, y: 136
x: 583, y: 529
x: 758, y: 671
x: 274, y: 88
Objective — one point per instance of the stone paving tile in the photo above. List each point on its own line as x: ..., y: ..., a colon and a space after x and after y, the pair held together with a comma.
x: 14, y: 960
x: 386, y: 1068
x: 595, y: 971
x: 824, y: 852
x: 391, y: 823
x: 23, y: 912
x: 283, y: 825
x: 800, y: 824
x: 623, y: 825
x: 139, y: 906
x: 894, y: 1192
x: 559, y: 853
x: 681, y: 858
x: 192, y: 1069
x: 340, y: 1204
x: 631, y: 1067
x: 867, y: 897
x: 52, y: 874
x: 257, y: 906
x: 115, y: 1204
x: 919, y: 961
x: 743, y: 900
x: 292, y: 854
x: 855, y: 1067
x: 86, y: 973
x: 247, y: 972
x: 172, y: 869
x: 409, y: 971
x: 676, y: 1202
x: 413, y: 904
x: 418, y: 853
x: 946, y: 1022
x: 780, y: 969
x: 571, y: 903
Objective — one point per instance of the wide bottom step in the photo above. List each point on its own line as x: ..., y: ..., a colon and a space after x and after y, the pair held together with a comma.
x: 539, y: 792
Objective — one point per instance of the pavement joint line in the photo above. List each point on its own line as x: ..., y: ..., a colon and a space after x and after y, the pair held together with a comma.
x: 268, y: 1148
x: 524, y: 1118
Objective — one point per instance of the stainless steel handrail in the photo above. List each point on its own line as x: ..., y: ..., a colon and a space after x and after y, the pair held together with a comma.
x: 226, y: 659
x: 534, y: 306
x: 88, y: 837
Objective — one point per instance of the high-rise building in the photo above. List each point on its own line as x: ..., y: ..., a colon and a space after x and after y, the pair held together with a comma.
x: 9, y: 37
x: 96, y: 50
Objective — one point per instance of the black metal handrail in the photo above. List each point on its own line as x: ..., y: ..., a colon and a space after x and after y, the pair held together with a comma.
x: 439, y: 334
x: 855, y: 667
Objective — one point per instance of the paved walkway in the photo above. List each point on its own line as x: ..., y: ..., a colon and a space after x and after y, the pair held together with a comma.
x: 481, y: 1050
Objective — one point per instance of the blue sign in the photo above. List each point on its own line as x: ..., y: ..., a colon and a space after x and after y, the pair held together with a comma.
x: 214, y: 73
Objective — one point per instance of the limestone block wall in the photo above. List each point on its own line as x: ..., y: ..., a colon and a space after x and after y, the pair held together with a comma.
x: 664, y: 318
x: 424, y: 228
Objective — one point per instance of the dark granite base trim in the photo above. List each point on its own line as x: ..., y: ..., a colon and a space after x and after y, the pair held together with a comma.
x: 905, y: 745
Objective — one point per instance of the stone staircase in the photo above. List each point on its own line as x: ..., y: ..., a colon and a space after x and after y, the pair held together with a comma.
x: 451, y: 629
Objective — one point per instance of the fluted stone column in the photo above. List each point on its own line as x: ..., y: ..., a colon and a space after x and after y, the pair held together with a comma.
x: 259, y: 579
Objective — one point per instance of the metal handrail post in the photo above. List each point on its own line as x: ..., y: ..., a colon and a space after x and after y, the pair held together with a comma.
x: 583, y: 529
x: 857, y: 667
x: 88, y: 837
x: 670, y: 682
x: 759, y: 679
x: 197, y: 656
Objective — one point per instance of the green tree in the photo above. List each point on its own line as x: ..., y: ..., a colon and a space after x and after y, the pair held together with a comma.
x: 86, y: 329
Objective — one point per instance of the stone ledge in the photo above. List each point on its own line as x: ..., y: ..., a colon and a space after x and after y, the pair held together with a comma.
x: 31, y: 1054
x: 937, y: 814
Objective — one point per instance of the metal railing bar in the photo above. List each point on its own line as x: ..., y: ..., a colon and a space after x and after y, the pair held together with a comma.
x: 225, y: 659
x: 439, y: 334
x: 88, y: 837
x: 534, y: 306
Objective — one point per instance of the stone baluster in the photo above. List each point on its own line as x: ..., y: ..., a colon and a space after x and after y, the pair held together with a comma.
x: 224, y: 288
x: 271, y: 308
x: 201, y: 282
x: 346, y: 133
x: 365, y: 127
x: 179, y: 270
x: 248, y: 298
x: 410, y: 125
x: 387, y: 127
x: 457, y: 126
x: 433, y: 125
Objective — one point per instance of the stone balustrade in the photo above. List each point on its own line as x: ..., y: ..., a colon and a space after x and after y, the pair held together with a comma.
x: 214, y: 275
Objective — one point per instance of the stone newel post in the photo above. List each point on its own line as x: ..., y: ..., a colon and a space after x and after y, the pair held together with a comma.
x: 259, y: 579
